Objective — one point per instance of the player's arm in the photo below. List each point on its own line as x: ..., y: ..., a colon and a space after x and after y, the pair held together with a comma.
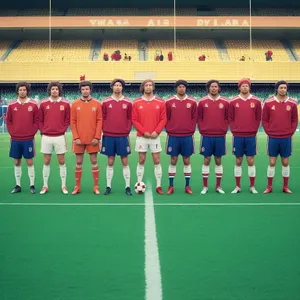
x: 41, y: 118
x: 266, y: 117
x: 258, y: 115
x: 194, y: 115
x: 129, y: 115
x: 104, y: 111
x: 9, y: 120
x: 35, y: 119
x: 67, y: 117
x: 98, y: 132
x: 163, y: 119
x: 200, y: 115
x: 294, y: 118
x: 135, y: 120
x: 74, y: 123
x: 231, y: 116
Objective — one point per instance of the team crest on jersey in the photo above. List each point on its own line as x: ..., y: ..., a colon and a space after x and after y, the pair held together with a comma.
x: 47, y: 107
x: 174, y: 105
x: 221, y: 105
x: 288, y: 108
x: 103, y: 149
x: 202, y: 149
x: 169, y: 149
x: 62, y: 107
x: 252, y: 105
x: 188, y: 105
x: 110, y: 106
x: 124, y: 106
x: 237, y: 105
x: 15, y: 109
x: 206, y: 105
x: 273, y: 107
x: 140, y: 107
x: 78, y: 108
x: 94, y: 108
x: 30, y: 149
x: 29, y: 108
x: 157, y: 106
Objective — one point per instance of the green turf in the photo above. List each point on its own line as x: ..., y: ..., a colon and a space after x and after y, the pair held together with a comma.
x: 97, y: 252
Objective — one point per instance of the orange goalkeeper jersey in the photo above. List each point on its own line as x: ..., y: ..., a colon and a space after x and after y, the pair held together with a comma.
x: 86, y: 120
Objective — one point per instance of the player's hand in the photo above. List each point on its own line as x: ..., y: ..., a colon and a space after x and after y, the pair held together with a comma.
x: 154, y: 135
x: 147, y: 135
x: 95, y: 142
x: 78, y: 142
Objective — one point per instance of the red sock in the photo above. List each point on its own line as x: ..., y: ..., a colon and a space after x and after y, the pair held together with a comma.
x: 95, y: 175
x: 205, y: 180
x: 238, y: 181
x: 252, y: 181
x: 270, y: 181
x: 219, y: 178
x: 78, y: 173
x: 286, y: 181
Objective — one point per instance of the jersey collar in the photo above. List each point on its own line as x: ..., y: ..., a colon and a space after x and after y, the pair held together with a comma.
x: 209, y: 97
x: 149, y: 99
x: 117, y: 99
x: 249, y: 97
x: 177, y: 98
x: 27, y: 100
x: 58, y: 100
x: 276, y: 99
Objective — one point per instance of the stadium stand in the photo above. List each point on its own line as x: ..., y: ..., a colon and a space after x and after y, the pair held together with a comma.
x: 237, y: 11
x: 296, y: 45
x: 237, y: 48
x: 60, y: 51
x: 3, y: 47
x: 102, y: 12
x: 130, y: 47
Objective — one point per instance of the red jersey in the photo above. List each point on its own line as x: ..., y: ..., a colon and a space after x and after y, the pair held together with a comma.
x: 54, y: 117
x: 181, y: 116
x: 244, y: 116
x: 22, y: 120
x: 117, y: 116
x: 280, y: 119
x: 149, y: 115
x: 213, y: 116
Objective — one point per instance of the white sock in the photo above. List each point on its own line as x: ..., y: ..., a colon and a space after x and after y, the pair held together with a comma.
x: 271, y: 172
x: 140, y: 172
x: 205, y: 170
x: 286, y: 171
x: 63, y: 174
x: 172, y: 171
x: 109, y: 175
x: 158, y: 174
x: 251, y: 171
x: 31, y: 175
x: 18, y: 174
x: 46, y: 174
x: 237, y: 171
x: 187, y: 170
x: 126, y: 175
x: 219, y: 171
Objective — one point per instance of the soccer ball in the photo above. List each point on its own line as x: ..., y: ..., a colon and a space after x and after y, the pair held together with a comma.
x: 140, y: 187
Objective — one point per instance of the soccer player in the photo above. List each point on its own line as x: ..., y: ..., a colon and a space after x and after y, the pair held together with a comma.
x: 213, y: 126
x: 149, y: 119
x: 181, y: 124
x: 22, y: 124
x: 86, y: 126
x: 280, y: 121
x: 117, y: 123
x: 244, y: 119
x: 54, y: 120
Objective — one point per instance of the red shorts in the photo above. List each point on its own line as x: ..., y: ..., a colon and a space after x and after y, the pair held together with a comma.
x: 79, y: 149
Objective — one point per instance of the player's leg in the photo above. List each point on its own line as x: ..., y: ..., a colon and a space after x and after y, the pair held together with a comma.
x: 285, y: 153
x: 46, y: 173
x: 123, y: 150
x: 155, y: 148
x: 206, y: 149
x: 109, y: 173
x: 173, y: 151
x: 141, y: 146
x: 238, y: 151
x: 187, y: 146
x: 95, y: 171
x: 16, y: 153
x: 250, y: 152
x: 28, y: 149
x: 219, y: 151
x: 187, y: 169
x: 79, y: 153
x: 273, y: 152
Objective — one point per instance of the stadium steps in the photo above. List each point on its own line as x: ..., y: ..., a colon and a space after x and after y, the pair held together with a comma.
x: 95, y: 48
x: 143, y: 55
x: 288, y: 48
x: 12, y: 46
x: 222, y: 50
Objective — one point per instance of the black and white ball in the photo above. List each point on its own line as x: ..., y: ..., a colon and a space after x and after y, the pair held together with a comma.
x: 140, y: 187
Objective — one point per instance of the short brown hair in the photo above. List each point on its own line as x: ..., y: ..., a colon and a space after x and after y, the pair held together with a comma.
x: 23, y: 83
x: 52, y: 84
x: 85, y: 83
x: 113, y: 82
x: 143, y: 85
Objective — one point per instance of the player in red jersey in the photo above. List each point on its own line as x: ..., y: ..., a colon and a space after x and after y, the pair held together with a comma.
x: 149, y: 119
x: 213, y: 126
x: 181, y: 124
x: 54, y: 120
x: 86, y: 126
x: 280, y: 121
x: 22, y: 124
x: 244, y: 119
x: 117, y: 123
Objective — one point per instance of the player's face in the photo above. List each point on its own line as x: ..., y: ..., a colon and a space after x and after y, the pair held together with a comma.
x: 244, y: 88
x: 54, y: 92
x: 22, y: 92
x: 181, y: 89
x: 117, y: 88
x: 85, y: 91
x: 148, y: 88
x: 214, y: 89
x: 282, y: 90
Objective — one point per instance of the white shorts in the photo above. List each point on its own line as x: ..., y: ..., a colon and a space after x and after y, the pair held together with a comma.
x: 59, y: 144
x: 143, y: 145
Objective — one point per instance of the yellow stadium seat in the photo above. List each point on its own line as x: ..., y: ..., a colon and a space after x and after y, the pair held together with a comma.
x: 130, y: 47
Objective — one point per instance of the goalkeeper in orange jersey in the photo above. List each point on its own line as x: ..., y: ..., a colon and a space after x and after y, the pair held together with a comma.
x: 86, y: 126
